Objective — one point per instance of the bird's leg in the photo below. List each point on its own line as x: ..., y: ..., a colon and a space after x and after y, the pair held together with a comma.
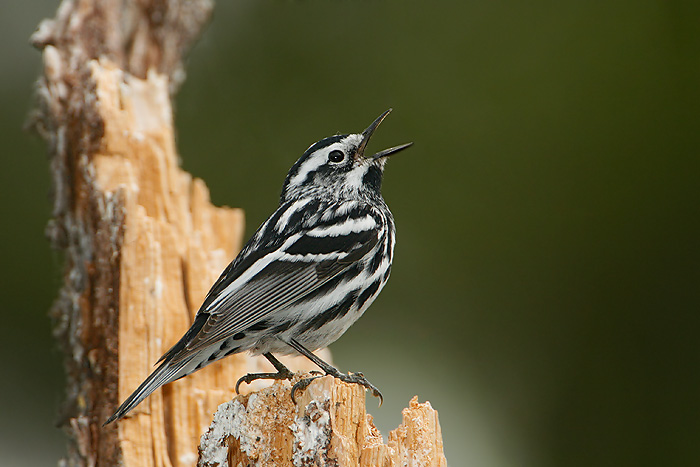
x: 355, y: 378
x: 282, y: 372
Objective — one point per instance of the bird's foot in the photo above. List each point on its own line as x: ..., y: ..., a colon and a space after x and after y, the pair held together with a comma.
x: 353, y: 378
x: 250, y: 377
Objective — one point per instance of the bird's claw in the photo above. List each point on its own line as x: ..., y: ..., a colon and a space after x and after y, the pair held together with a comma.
x: 352, y: 378
x: 359, y: 378
x: 302, y: 384
x: 250, y: 377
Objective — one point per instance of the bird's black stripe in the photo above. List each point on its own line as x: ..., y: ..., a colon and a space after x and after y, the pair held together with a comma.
x: 337, y: 311
x: 353, y: 214
x: 388, y: 252
x: 325, y: 245
x: 387, y: 273
x: 373, y: 179
x: 301, y: 215
x: 367, y: 293
x: 375, y: 262
x: 350, y: 273
x: 267, y: 326
x: 232, y: 351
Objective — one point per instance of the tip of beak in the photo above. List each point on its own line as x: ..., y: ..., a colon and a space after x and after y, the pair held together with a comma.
x: 390, y: 151
x: 370, y: 129
x: 367, y: 134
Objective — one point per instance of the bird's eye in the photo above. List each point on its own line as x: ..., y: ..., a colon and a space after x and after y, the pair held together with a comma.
x: 336, y: 156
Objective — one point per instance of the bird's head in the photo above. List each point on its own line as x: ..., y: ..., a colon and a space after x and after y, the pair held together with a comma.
x: 339, y: 167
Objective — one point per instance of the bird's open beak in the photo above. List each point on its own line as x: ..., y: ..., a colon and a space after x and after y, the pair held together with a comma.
x: 367, y: 134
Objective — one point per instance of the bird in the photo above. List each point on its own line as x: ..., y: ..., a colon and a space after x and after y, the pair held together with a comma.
x: 304, y: 277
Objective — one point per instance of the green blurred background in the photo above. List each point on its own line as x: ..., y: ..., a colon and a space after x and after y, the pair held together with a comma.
x: 546, y: 289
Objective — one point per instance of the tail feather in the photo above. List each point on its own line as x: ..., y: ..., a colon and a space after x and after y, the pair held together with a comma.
x: 199, y: 321
x: 164, y: 374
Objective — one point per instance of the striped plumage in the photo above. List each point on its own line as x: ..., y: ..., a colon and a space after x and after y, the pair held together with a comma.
x: 307, y: 274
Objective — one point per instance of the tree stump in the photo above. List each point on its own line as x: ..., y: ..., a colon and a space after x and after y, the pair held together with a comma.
x: 328, y: 426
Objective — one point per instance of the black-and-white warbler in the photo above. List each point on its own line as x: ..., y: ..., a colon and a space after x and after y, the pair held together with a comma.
x: 307, y: 274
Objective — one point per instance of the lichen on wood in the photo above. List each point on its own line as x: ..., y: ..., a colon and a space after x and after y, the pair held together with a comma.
x: 327, y: 426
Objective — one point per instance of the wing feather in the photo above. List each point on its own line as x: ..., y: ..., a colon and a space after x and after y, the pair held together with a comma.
x: 282, y: 279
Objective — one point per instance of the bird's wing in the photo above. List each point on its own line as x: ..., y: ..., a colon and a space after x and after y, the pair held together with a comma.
x: 271, y: 277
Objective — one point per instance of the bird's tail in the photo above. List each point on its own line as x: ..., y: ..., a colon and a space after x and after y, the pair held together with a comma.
x: 165, y: 373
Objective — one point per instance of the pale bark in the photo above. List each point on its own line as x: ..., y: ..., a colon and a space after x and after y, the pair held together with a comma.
x: 328, y: 426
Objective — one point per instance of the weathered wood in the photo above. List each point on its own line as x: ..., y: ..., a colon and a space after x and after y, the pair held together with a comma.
x: 328, y: 426
x: 88, y: 220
